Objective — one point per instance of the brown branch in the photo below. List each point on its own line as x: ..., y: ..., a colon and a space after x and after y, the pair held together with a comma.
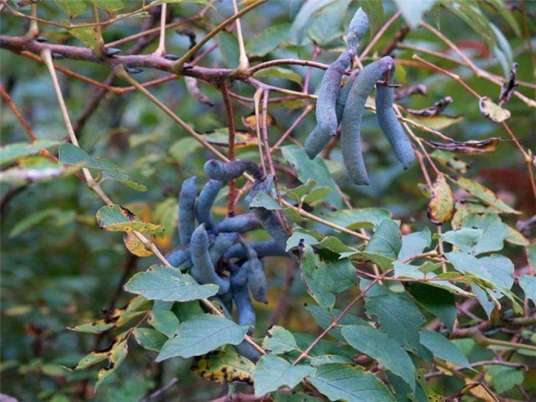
x: 231, y: 151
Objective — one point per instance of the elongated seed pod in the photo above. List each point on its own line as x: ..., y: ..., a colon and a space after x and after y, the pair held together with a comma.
x: 179, y: 256
x: 255, y: 272
x: 317, y: 139
x: 226, y: 171
x: 353, y: 114
x: 248, y: 351
x: 357, y: 28
x: 205, y: 201
x: 240, y: 223
x: 187, y: 210
x: 271, y: 224
x: 239, y: 290
x: 326, y: 115
x: 222, y: 243
x: 256, y: 279
x: 265, y: 248
x: 203, y: 269
x: 391, y: 127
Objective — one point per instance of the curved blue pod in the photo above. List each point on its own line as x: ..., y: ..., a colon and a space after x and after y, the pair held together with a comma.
x: 222, y: 243
x: 264, y: 248
x: 187, y: 209
x: 357, y: 28
x: 226, y: 171
x: 239, y: 290
x: 203, y: 269
x: 178, y: 256
x: 328, y: 92
x: 205, y: 201
x: 353, y: 113
x: 239, y: 223
x: 391, y: 126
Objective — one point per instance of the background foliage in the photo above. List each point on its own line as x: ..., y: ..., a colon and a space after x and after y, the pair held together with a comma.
x: 430, y: 311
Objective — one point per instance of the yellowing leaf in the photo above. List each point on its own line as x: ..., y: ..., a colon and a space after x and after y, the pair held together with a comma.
x: 118, y: 219
x: 438, y: 122
x: 493, y: 111
x: 441, y: 205
x: 135, y: 246
x: 484, y: 194
x: 224, y: 366
x: 251, y: 121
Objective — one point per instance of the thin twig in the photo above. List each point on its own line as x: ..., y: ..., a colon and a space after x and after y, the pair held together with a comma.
x: 379, y: 35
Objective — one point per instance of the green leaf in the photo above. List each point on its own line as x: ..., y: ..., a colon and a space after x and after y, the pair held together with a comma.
x: 513, y: 236
x: 325, y: 281
x: 95, y: 327
x: 200, y: 335
x: 528, y: 284
x: 465, y: 239
x: 500, y: 269
x: 493, y: 232
x: 279, y: 72
x: 116, y: 356
x: 414, y: 244
x: 273, y: 372
x: 386, y: 240
x: 293, y: 397
x: 468, y: 264
x: 12, y: 152
x: 472, y: 15
x: 164, y: 321
x: 91, y: 359
x: 484, y: 194
x: 149, y: 338
x: 72, y: 155
x: 111, y: 6
x: 168, y: 284
x: 505, y: 378
x: 442, y: 348
x: 413, y: 11
x: 114, y: 218
x: 324, y: 318
x: 368, y: 218
x: 312, y: 169
x: 326, y: 26
x: 228, y: 46
x: 60, y: 217
x: 333, y: 243
x: 268, y: 39
x: 382, y: 348
x: 86, y: 35
x: 397, y: 314
x: 264, y: 200
x: 352, y: 384
x: 303, y: 17
x: 439, y: 302
x: 72, y: 8
x: 450, y: 160
x: 279, y: 340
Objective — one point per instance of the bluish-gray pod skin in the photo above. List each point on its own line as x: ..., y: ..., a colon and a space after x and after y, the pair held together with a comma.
x: 391, y: 127
x: 270, y: 223
x: 178, y: 256
x: 187, y: 210
x: 256, y: 279
x: 239, y: 223
x: 203, y: 269
x: 326, y: 106
x: 205, y: 201
x: 226, y: 171
x: 239, y: 290
x: 326, y: 115
x: 248, y: 351
x: 222, y: 243
x: 353, y: 114
x: 265, y: 248
x: 357, y: 28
